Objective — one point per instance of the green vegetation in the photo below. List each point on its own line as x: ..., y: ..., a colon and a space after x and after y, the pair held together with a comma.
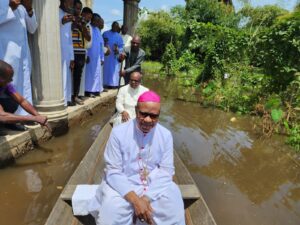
x: 247, y: 61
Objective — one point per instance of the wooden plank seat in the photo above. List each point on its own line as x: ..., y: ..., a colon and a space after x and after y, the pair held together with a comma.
x: 188, y: 192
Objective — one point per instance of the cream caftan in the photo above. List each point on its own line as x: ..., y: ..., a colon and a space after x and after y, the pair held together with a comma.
x: 127, y: 100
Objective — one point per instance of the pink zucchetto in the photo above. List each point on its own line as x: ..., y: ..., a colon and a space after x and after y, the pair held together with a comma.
x: 149, y: 96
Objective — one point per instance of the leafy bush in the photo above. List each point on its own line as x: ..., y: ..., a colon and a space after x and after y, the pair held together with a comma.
x: 260, y: 16
x: 277, y: 50
x: 157, y: 31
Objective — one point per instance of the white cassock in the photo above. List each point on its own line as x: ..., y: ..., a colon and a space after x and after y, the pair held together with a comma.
x: 14, y: 48
x: 126, y: 40
x: 67, y: 54
x: 127, y: 100
x: 127, y: 44
x: 111, y: 66
x: 93, y: 71
x: 122, y: 175
x: 88, y: 44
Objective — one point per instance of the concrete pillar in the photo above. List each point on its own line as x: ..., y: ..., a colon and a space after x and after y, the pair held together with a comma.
x: 47, y: 86
x: 131, y: 10
x: 89, y: 3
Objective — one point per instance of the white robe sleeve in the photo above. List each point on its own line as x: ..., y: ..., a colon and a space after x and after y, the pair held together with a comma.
x: 114, y: 166
x: 120, y: 100
x: 6, y: 13
x: 31, y: 22
x: 161, y: 177
x: 102, y: 50
x: 120, y: 44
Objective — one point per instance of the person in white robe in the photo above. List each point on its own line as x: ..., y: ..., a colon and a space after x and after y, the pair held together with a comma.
x: 67, y: 51
x: 138, y: 186
x: 111, y: 63
x: 88, y: 44
x: 16, y: 19
x: 93, y: 73
x: 127, y: 44
x: 127, y: 99
x: 126, y: 37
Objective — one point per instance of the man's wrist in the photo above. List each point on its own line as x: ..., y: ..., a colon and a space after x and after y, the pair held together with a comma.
x: 30, y: 11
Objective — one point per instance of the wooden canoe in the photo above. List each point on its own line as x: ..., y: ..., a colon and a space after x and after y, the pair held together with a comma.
x: 90, y: 171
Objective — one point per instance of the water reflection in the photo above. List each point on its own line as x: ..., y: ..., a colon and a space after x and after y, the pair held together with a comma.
x: 29, y: 188
x: 244, y: 178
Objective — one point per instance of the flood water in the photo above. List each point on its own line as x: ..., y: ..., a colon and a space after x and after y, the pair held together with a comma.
x: 244, y: 178
x: 30, y: 188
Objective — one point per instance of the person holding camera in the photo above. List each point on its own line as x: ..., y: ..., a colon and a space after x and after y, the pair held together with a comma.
x: 17, y: 17
x: 81, y: 36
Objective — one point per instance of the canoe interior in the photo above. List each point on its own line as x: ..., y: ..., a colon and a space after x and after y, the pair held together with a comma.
x: 90, y: 171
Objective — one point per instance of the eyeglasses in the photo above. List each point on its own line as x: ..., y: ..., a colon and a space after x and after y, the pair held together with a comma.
x: 136, y: 81
x: 145, y: 115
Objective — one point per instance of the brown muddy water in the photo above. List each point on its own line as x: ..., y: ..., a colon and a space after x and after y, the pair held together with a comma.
x: 29, y: 189
x: 244, y: 178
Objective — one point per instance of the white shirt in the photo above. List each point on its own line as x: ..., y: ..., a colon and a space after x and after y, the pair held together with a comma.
x: 67, y: 51
x: 127, y: 40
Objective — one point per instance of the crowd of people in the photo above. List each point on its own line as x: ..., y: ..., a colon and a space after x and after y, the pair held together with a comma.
x: 91, y: 62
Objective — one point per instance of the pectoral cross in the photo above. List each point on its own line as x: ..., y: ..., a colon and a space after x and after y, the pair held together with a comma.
x: 145, y: 173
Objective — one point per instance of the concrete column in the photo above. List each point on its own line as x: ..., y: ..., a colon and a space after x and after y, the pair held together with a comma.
x: 89, y: 3
x: 47, y: 83
x: 131, y: 10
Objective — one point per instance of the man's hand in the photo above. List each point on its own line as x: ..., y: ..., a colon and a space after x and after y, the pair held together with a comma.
x: 122, y: 56
x: 13, y: 4
x: 43, y: 121
x: 116, y: 49
x: 122, y: 73
x: 143, y: 210
x: 72, y: 65
x: 125, y: 116
x: 67, y: 18
x: 107, y: 50
x: 27, y: 4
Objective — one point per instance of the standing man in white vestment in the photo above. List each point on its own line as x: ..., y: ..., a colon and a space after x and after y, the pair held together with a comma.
x: 67, y: 51
x: 93, y: 71
x: 111, y: 61
x: 127, y: 98
x: 126, y: 37
x: 16, y: 19
x: 138, y: 186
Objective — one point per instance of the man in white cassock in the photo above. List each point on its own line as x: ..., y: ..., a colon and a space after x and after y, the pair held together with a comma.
x: 67, y: 51
x: 16, y: 19
x: 127, y: 98
x: 93, y: 72
x: 111, y: 66
x: 137, y: 187
x: 126, y: 37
